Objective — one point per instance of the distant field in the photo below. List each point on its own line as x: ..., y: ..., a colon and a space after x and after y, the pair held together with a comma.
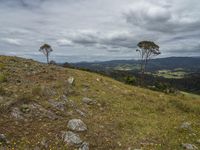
x: 193, y: 96
x: 127, y: 67
x: 171, y: 74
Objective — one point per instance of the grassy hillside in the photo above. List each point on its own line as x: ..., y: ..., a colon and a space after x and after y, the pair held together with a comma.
x: 120, y: 117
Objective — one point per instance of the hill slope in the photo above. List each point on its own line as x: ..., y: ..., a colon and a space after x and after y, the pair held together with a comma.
x: 38, y: 100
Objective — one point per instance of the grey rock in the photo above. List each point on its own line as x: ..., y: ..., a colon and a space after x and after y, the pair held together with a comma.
x: 58, y: 105
x: 81, y: 112
x: 16, y: 113
x: 40, y: 111
x: 70, y: 80
x: 71, y: 138
x: 189, y: 146
x: 84, y: 146
x: 64, y: 98
x: 3, y: 138
x: 186, y: 125
x: 88, y: 101
x: 77, y: 125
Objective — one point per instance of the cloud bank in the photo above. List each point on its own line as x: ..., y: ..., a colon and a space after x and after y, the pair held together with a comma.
x: 88, y: 30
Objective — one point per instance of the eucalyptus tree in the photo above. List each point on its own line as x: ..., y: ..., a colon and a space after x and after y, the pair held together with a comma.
x: 46, y: 50
x: 146, y: 50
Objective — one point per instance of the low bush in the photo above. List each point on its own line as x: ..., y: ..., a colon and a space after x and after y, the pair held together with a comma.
x: 3, y: 78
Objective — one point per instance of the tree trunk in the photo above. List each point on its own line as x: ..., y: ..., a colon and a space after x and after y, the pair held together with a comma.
x: 142, y: 73
x: 47, y: 58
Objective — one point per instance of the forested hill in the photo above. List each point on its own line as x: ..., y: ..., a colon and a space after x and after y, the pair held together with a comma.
x: 186, y: 63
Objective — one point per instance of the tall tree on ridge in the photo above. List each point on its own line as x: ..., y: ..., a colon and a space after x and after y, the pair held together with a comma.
x: 46, y: 50
x: 147, y: 50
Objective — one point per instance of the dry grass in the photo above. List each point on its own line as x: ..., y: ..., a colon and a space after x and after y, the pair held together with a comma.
x: 125, y: 116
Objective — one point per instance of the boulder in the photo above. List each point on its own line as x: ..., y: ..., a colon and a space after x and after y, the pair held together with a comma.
x: 71, y: 138
x: 77, y: 125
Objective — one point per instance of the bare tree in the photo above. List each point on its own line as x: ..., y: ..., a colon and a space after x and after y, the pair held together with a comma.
x: 46, y: 50
x: 147, y: 50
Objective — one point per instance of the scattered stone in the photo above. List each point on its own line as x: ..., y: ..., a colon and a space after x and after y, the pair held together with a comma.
x: 16, y: 113
x: 81, y: 112
x: 84, y: 146
x: 58, y: 105
x: 77, y: 125
x: 186, y: 125
x: 119, y: 144
x: 88, y: 101
x: 198, y: 141
x: 27, y: 111
x: 3, y: 138
x: 70, y: 80
x: 40, y: 111
x: 99, y: 104
x: 44, y: 143
x: 98, y: 79
x: 189, y: 147
x: 71, y: 138
x: 64, y: 98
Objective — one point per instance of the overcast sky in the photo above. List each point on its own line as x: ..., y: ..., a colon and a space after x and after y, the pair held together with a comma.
x: 89, y: 30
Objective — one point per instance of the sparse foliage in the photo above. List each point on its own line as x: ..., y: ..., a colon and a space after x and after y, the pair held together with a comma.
x: 46, y: 50
x: 147, y: 50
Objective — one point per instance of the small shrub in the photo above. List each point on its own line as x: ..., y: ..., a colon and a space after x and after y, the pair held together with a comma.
x: 37, y: 91
x: 165, y: 87
x: 25, y: 97
x: 2, y: 66
x: 2, y: 91
x: 130, y: 80
x: 4, y: 108
x: 25, y: 108
x: 3, y: 78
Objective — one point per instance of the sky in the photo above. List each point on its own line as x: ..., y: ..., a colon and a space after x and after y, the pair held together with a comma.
x: 98, y: 30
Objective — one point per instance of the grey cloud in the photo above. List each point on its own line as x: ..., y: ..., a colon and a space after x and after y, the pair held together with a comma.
x: 162, y: 19
x: 98, y: 29
x: 108, y: 40
x: 11, y: 41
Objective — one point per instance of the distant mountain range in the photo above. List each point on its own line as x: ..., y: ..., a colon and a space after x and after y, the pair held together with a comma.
x: 191, y: 64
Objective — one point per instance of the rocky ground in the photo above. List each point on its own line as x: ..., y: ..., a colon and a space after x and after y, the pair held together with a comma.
x: 49, y: 107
